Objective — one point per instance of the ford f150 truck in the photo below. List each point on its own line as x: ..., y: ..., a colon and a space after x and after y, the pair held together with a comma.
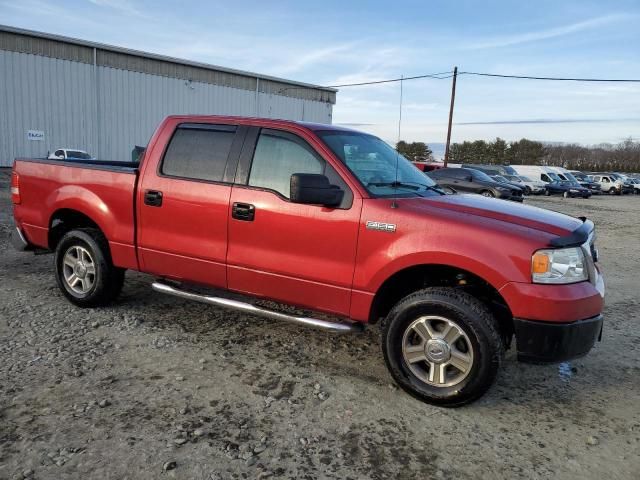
x: 227, y: 210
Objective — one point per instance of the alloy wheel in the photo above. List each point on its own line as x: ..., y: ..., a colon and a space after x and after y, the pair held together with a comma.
x: 437, y: 351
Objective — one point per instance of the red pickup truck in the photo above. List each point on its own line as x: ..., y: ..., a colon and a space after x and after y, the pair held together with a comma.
x: 331, y: 220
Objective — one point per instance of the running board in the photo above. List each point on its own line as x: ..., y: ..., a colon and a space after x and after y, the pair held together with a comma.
x: 254, y: 310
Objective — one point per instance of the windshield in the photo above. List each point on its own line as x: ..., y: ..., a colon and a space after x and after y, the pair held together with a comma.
x: 514, y: 178
x: 374, y: 163
x: 569, y: 183
x: 525, y: 179
x: 570, y: 177
x: 78, y: 154
x: 554, y: 176
x: 478, y: 175
x: 499, y: 178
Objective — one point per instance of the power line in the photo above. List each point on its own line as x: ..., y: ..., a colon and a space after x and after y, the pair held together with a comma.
x: 401, y: 79
x: 557, y: 79
x: 445, y: 75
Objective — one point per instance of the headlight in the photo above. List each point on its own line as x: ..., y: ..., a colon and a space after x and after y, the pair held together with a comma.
x: 563, y: 265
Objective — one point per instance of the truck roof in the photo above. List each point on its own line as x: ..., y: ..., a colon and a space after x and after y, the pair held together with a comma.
x: 250, y: 120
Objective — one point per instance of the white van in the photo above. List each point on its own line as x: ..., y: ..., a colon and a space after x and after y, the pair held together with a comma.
x: 537, y: 172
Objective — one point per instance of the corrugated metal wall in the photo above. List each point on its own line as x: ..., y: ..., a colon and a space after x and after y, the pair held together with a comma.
x: 107, y: 111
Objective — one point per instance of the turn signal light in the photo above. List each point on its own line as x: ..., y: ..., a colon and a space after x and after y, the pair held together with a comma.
x: 540, y: 263
x: 15, y: 188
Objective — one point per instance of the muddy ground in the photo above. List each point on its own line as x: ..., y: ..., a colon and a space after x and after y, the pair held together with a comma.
x: 155, y: 387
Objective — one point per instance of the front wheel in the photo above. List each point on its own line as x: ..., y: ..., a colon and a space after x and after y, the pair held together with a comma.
x: 547, y: 192
x: 566, y: 195
x: 84, y: 271
x: 487, y: 193
x: 442, y: 346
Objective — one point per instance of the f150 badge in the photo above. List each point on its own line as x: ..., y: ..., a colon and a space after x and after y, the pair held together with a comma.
x: 383, y: 227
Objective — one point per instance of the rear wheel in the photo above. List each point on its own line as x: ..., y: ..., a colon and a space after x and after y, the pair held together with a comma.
x: 487, y: 193
x: 547, y: 192
x: 442, y: 346
x: 84, y: 271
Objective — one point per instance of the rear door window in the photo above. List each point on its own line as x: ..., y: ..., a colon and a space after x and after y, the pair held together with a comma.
x: 199, y: 152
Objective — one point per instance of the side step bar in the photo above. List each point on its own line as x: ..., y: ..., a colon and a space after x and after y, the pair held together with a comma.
x: 254, y: 310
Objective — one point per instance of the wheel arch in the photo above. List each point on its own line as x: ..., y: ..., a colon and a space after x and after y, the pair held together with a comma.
x: 64, y: 220
x: 410, y: 279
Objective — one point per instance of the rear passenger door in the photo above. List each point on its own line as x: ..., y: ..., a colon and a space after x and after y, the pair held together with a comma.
x: 293, y: 253
x: 183, y: 205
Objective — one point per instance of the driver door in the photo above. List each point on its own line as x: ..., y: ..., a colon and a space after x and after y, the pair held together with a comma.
x: 289, y: 252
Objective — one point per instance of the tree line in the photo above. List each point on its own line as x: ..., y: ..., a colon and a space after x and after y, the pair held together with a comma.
x: 620, y: 157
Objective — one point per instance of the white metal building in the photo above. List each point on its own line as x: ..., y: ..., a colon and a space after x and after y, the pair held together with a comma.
x: 59, y: 92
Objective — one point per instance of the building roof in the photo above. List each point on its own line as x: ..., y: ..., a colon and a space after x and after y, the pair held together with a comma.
x: 73, y: 49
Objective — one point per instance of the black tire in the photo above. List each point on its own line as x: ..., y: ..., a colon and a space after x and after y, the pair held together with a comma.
x: 547, y: 192
x: 472, y: 317
x: 488, y: 193
x: 107, y: 279
x: 566, y: 195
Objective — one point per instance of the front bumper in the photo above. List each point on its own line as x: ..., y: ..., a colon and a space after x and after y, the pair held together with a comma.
x: 545, y: 342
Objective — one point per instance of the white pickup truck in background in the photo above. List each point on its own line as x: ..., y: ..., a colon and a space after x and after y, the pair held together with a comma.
x: 69, y: 154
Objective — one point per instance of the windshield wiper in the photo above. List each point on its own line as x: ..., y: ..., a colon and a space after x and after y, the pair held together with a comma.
x: 411, y: 185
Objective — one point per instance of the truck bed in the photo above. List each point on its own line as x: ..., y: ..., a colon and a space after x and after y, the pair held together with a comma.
x: 102, y: 190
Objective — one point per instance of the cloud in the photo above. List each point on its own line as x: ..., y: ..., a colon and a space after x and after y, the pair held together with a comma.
x: 551, y: 120
x: 122, y: 6
x: 506, y: 41
x: 299, y: 62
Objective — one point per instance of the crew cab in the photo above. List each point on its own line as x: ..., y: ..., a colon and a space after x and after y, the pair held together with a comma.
x: 227, y: 210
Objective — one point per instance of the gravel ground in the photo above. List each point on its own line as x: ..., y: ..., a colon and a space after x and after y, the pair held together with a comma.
x: 154, y: 387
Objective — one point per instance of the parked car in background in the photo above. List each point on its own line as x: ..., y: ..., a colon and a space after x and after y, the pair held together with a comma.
x: 537, y: 172
x: 535, y: 187
x: 70, y: 154
x: 567, y: 189
x: 636, y: 185
x: 608, y: 183
x: 502, y: 179
x: 627, y: 186
x: 471, y: 180
x: 331, y: 220
x: 584, y: 180
x: 491, y: 169
x: 428, y: 166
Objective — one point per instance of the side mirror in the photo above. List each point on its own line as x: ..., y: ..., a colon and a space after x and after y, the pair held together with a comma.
x: 314, y: 189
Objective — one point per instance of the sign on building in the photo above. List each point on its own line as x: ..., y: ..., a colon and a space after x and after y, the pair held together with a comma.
x: 35, y: 135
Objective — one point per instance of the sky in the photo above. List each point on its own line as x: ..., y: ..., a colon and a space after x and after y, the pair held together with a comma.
x: 337, y: 42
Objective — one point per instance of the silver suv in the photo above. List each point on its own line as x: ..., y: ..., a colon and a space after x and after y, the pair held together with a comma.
x: 608, y: 184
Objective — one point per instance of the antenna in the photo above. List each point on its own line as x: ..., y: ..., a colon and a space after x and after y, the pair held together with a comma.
x: 394, y: 204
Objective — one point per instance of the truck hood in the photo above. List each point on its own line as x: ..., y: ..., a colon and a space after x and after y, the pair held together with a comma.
x: 510, y: 212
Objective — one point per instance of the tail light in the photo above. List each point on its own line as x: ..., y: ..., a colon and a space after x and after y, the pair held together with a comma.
x: 15, y: 188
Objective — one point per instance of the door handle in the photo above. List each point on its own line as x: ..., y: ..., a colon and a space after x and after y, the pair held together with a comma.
x: 243, y: 211
x: 153, y: 198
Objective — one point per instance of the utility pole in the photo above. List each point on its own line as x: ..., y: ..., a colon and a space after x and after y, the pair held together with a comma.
x: 453, y: 98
